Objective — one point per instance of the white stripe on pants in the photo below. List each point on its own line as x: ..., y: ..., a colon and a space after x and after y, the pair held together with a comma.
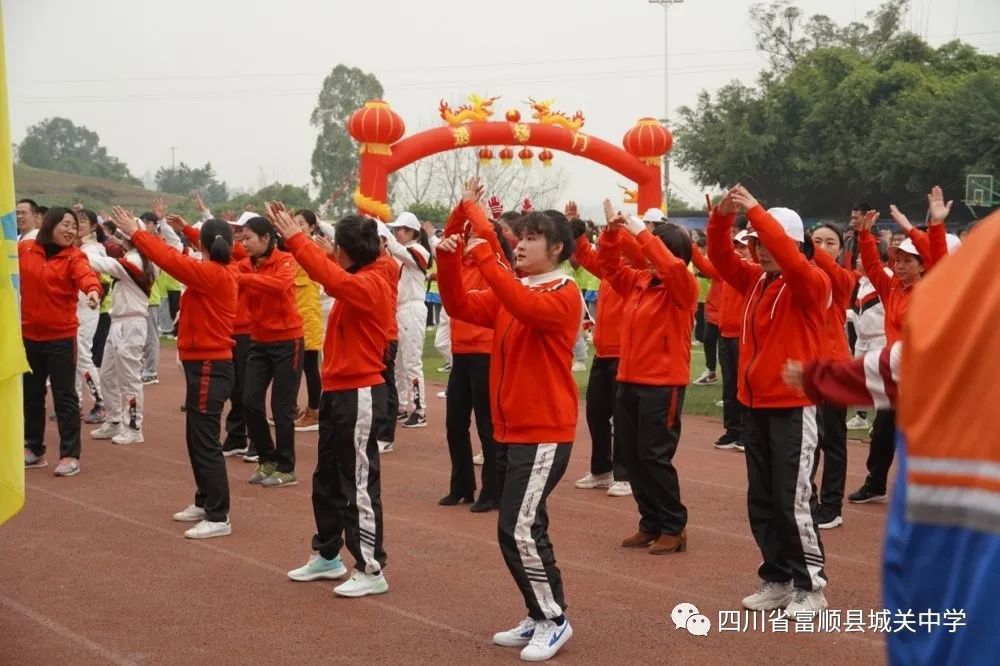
x: 121, y: 371
x: 366, y: 513
x: 811, y: 551
x: 85, y: 367
x: 412, y: 320
x: 442, y: 336
x: 526, y: 547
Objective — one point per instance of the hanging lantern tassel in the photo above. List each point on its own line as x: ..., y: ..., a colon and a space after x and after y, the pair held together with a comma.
x: 526, y: 155
x: 485, y: 156
x: 546, y: 157
x: 506, y: 156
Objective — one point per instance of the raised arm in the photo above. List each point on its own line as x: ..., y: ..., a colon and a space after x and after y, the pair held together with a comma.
x: 702, y: 264
x: 841, y: 279
x: 802, y: 278
x: 874, y: 268
x: 475, y: 307
x: 622, y: 278
x: 741, y: 275
x: 547, y: 310
x: 280, y: 282
x: 192, y: 272
x: 353, y: 289
x: 586, y: 256
x: 108, y: 266
x: 670, y: 269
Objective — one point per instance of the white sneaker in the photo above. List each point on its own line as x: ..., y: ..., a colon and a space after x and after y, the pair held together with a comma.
x: 207, y: 529
x: 442, y: 394
x: 599, y: 481
x: 578, y: 366
x: 857, y: 423
x: 707, y: 377
x: 519, y: 636
x: 769, y: 596
x: 319, y: 567
x: 385, y: 447
x: 805, y: 605
x: 107, y: 431
x: 361, y: 584
x: 128, y: 436
x: 192, y: 514
x: 720, y: 403
x: 548, y: 639
x: 620, y: 489
x: 478, y: 460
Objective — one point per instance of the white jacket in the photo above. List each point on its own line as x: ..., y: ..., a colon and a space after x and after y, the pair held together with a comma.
x: 414, y: 259
x: 94, y: 249
x: 127, y: 298
x: 868, y: 316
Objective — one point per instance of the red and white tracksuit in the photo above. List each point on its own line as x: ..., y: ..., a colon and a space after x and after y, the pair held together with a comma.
x: 86, y: 372
x: 411, y: 316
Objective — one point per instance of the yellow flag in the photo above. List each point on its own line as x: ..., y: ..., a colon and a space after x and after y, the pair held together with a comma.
x: 12, y: 361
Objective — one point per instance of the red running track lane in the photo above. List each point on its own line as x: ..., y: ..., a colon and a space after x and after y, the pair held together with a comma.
x: 95, y: 571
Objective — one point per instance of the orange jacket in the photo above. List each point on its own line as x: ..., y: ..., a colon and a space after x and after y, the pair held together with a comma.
x: 895, y: 296
x: 390, y: 270
x: 207, y: 306
x: 713, y: 300
x: 535, y: 322
x: 270, y: 290
x: 356, y: 332
x: 658, y: 314
x: 610, y: 304
x: 731, y: 302
x: 241, y: 322
x: 50, y: 290
x: 784, y: 313
x: 842, y: 281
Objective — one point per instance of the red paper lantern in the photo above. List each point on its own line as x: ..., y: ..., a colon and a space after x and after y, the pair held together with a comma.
x: 648, y: 140
x: 526, y: 154
x: 546, y: 157
x: 506, y: 156
x: 485, y: 156
x: 376, y: 126
x: 513, y: 115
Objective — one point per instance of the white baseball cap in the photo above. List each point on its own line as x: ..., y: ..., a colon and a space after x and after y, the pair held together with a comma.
x: 741, y: 237
x: 406, y: 220
x: 789, y: 221
x: 908, y: 247
x: 954, y: 242
x: 242, y: 219
x: 654, y: 215
x: 383, y: 229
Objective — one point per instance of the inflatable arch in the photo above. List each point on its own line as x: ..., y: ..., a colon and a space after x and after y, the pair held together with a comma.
x: 383, y: 150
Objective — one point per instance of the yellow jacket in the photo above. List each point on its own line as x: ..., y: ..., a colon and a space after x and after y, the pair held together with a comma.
x: 308, y: 303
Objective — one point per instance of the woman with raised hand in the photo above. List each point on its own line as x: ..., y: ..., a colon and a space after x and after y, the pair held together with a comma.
x: 346, y: 494
x: 91, y: 239
x: 276, y: 353
x: 307, y: 300
x: 533, y: 401
x: 784, y: 319
x: 53, y: 272
x: 207, y: 308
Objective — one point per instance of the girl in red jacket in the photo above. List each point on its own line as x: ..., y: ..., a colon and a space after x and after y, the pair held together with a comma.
x: 53, y: 272
x: 276, y: 352
x: 653, y: 371
x: 787, y: 301
x: 204, y: 345
x: 533, y: 401
x: 829, y: 242
x: 346, y: 495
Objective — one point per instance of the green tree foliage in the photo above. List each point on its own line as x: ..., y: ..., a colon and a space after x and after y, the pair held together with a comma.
x: 433, y: 212
x: 335, y: 157
x: 293, y: 196
x: 870, y: 113
x: 58, y: 144
x: 185, y: 180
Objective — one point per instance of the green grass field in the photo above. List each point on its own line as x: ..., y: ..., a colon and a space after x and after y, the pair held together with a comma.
x: 698, y: 400
x: 54, y: 188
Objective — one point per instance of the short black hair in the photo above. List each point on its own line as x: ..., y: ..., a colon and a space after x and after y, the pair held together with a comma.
x: 358, y: 237
x: 863, y: 206
x: 835, y: 228
x: 551, y: 224
x: 42, y: 210
x: 676, y: 238
x: 148, y: 218
x: 30, y: 202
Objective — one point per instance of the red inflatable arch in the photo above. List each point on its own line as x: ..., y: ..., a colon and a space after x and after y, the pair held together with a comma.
x: 383, y: 150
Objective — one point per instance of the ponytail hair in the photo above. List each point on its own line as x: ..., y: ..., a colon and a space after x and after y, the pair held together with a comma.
x: 426, y: 242
x: 358, y: 237
x: 217, y: 240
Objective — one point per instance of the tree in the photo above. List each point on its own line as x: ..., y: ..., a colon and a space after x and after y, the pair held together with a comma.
x: 184, y: 180
x: 851, y: 121
x: 293, y: 196
x: 436, y: 213
x: 439, y: 178
x: 335, y: 157
x: 60, y: 145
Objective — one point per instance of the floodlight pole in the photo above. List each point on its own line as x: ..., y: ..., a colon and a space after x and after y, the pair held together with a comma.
x: 666, y: 85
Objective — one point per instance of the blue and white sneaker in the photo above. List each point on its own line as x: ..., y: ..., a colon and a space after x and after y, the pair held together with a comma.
x: 548, y: 639
x: 318, y: 568
x: 519, y: 636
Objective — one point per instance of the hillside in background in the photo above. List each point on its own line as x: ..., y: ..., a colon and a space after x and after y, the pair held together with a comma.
x: 54, y: 188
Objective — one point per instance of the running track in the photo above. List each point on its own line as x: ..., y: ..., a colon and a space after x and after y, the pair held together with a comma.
x: 94, y: 570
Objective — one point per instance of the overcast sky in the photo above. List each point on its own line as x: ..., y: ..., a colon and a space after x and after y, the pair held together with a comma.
x: 234, y: 81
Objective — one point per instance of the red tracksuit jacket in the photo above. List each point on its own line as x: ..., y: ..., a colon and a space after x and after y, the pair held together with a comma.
x: 271, y: 294
x: 50, y: 288
x: 535, y: 321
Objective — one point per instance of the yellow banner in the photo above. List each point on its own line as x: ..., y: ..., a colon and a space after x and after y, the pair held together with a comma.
x: 12, y: 361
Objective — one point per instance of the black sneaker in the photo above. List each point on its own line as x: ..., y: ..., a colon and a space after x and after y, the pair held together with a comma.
x: 234, y: 449
x: 415, y: 421
x: 865, y: 494
x: 250, y: 455
x: 727, y: 443
x: 828, y: 518
x: 402, y: 416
